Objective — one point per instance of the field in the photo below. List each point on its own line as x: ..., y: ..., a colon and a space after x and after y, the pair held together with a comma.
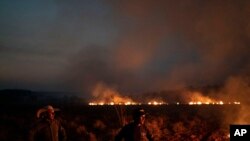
x: 166, y: 122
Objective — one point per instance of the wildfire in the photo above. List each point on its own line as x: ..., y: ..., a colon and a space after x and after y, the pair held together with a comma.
x: 104, y: 95
x: 156, y: 103
x: 107, y: 96
x: 197, y: 98
x: 113, y: 103
x: 164, y: 103
x: 124, y: 103
x: 206, y: 103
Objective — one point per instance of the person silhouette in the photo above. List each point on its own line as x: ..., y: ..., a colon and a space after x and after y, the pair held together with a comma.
x: 135, y: 130
x: 48, y: 128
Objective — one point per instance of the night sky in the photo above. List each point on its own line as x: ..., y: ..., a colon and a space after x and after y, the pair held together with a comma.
x: 131, y: 46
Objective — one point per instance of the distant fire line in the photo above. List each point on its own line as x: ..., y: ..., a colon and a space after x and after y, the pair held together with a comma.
x: 164, y: 103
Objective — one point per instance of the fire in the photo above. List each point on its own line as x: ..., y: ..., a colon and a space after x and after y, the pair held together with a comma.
x: 206, y: 103
x: 199, y: 98
x: 151, y: 102
x: 104, y: 95
x: 196, y: 98
x: 113, y: 103
x: 156, y: 103
x: 236, y: 102
x: 162, y: 103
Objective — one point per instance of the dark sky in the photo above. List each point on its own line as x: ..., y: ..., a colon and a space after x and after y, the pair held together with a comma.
x: 132, y: 46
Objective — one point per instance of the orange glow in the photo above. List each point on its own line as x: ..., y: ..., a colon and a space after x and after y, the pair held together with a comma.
x: 156, y: 103
x: 207, y: 103
x: 199, y: 98
x: 161, y: 103
x: 106, y: 96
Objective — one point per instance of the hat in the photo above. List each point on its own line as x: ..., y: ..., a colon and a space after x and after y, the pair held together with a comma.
x: 47, y: 108
x: 138, y: 113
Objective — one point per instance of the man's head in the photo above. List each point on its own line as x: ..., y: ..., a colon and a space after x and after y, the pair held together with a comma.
x: 47, y: 112
x: 50, y: 112
x: 139, y: 116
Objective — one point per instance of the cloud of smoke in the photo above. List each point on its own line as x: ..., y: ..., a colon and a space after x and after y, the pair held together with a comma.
x: 105, y: 94
x: 238, y: 88
x: 198, y: 97
x: 164, y: 45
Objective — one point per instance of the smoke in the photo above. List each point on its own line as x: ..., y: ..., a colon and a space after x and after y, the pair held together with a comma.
x: 168, y: 45
x: 105, y: 94
x: 238, y: 88
x: 235, y: 89
x: 198, y: 97
x: 137, y: 46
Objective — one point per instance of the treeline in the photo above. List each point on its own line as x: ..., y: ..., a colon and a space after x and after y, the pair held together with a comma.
x: 27, y: 97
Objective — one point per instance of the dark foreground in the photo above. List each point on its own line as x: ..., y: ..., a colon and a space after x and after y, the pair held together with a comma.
x: 166, y: 122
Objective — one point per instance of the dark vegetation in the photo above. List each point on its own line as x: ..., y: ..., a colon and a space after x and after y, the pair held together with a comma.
x: 83, y: 122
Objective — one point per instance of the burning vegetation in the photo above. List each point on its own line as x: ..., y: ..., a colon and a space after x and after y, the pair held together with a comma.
x: 104, y: 95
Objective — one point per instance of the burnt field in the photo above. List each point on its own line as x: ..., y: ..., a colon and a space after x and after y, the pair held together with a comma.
x: 84, y: 122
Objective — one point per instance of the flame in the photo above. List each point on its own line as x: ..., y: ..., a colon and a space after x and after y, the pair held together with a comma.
x: 156, y: 103
x: 197, y: 96
x: 104, y: 95
x: 162, y: 103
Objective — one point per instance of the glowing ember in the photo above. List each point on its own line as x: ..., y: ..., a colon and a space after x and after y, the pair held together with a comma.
x: 236, y: 102
x: 207, y: 103
x: 156, y: 103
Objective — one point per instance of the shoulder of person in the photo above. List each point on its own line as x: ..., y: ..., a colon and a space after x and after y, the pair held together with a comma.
x: 130, y: 125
